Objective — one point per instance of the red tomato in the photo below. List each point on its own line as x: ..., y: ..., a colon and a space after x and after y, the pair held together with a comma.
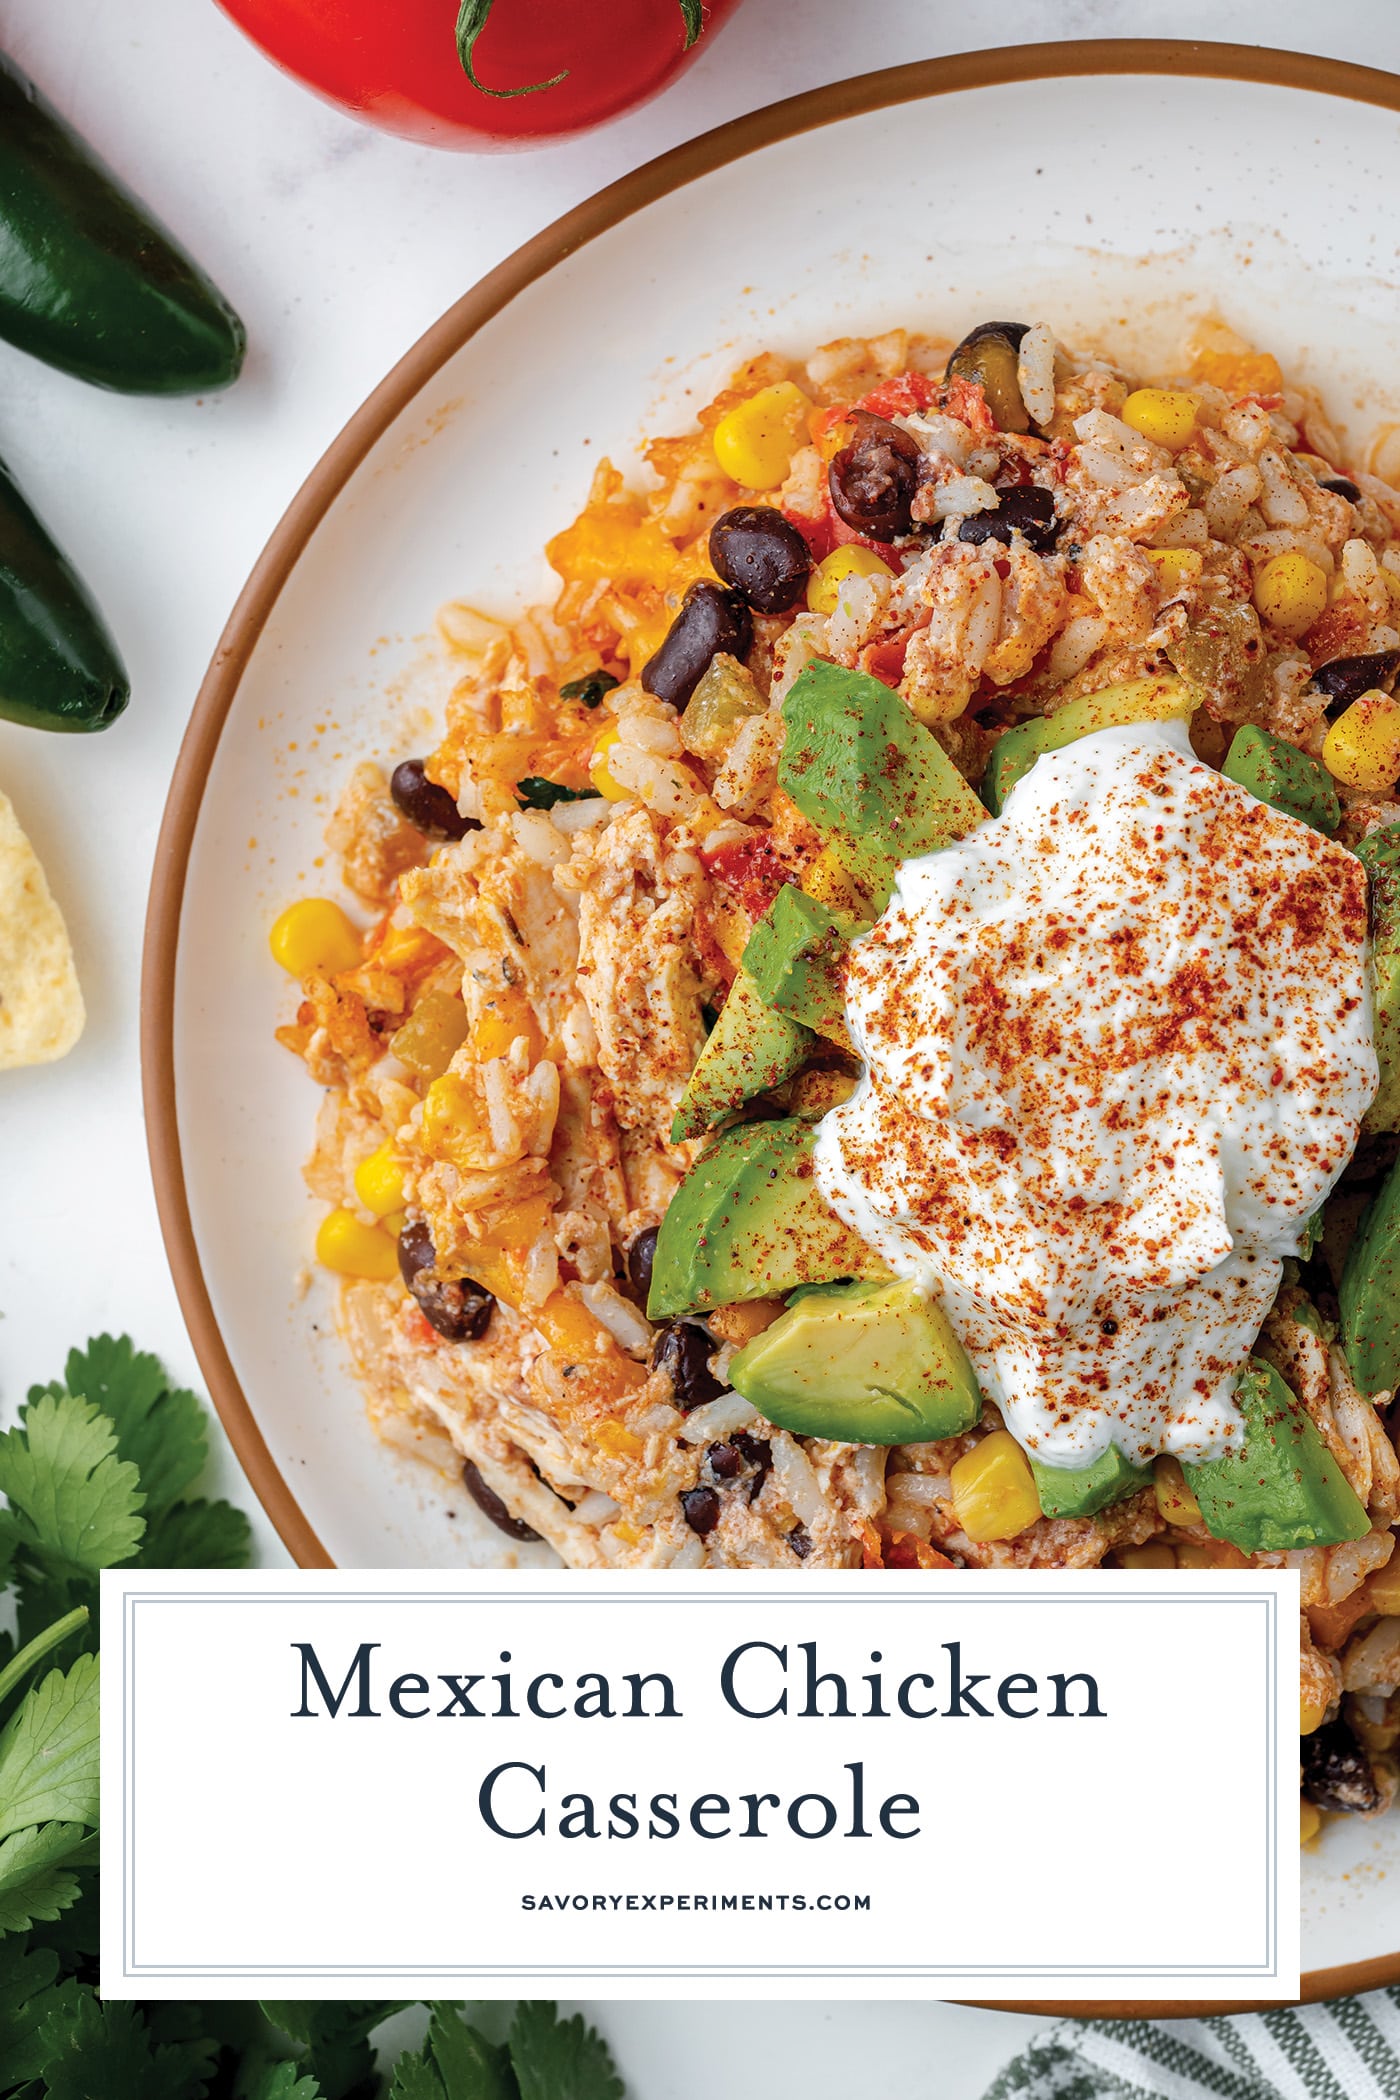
x: 394, y: 62
x: 752, y: 870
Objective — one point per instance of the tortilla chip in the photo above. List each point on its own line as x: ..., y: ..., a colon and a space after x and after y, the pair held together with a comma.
x: 41, y: 1006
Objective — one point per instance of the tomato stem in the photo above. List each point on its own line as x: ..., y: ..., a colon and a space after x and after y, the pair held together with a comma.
x: 473, y: 15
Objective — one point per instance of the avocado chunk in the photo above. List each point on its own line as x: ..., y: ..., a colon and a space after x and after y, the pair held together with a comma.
x: 1080, y: 1491
x: 866, y: 773
x: 1284, y: 777
x: 794, y: 958
x: 749, y: 1049
x: 1369, y: 1294
x: 1115, y: 707
x: 861, y: 1363
x: 1380, y: 856
x: 749, y: 1221
x: 1281, y: 1488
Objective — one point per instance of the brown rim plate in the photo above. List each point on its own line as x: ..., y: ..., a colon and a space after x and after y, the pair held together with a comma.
x: 669, y: 172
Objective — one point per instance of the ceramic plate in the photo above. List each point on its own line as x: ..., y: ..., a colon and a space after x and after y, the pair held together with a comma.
x: 1115, y: 189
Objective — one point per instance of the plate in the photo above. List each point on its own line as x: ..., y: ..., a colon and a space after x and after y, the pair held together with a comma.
x: 1114, y: 188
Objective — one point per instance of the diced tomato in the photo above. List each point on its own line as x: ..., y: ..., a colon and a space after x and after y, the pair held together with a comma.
x: 815, y: 531
x: 965, y: 399
x: 907, y: 1551
x: 907, y: 395
x: 752, y: 869
x: 885, y: 660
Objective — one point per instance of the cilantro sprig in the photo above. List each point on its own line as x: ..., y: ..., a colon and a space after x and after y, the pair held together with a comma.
x: 101, y: 1471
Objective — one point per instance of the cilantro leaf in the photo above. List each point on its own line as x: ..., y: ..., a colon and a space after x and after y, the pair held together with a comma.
x: 198, y: 1535
x: 558, y: 2059
x: 29, y: 1993
x: 283, y: 2082
x: 415, y: 2079
x: 48, y: 1752
x: 75, y: 1498
x: 534, y: 793
x: 96, y: 2050
x: 469, y: 2067
x: 37, y: 1878
x: 589, y: 690
x: 336, y: 2037
x: 162, y: 1430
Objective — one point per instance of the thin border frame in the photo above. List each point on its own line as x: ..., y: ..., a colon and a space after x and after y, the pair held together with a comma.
x: 670, y: 171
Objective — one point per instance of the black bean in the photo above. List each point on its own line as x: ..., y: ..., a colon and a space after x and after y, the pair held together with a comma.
x: 762, y: 554
x: 459, y: 1310
x: 1337, y: 1773
x: 725, y: 1461
x: 710, y: 620
x: 683, y: 1352
x: 873, y: 481
x: 426, y: 804
x: 1030, y: 511
x: 491, y: 1505
x: 1347, y: 677
x: 1340, y: 486
x: 800, y: 1540
x: 759, y: 1453
x: 701, y: 1507
x: 641, y: 1257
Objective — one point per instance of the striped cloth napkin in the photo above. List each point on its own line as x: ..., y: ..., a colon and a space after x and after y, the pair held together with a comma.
x: 1349, y: 2050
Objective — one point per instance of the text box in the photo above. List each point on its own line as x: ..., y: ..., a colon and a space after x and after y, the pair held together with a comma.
x: 705, y: 1785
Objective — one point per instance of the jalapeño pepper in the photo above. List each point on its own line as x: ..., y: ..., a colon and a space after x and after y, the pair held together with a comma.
x: 88, y: 280
x: 59, y: 667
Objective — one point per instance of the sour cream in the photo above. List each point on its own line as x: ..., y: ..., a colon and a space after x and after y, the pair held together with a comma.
x: 1118, y: 1045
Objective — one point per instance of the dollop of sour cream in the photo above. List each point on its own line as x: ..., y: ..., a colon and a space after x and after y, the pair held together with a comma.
x: 1117, y: 1045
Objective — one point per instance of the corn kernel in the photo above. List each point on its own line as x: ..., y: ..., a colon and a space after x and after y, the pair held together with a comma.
x: 1309, y: 1822
x: 1310, y: 1715
x: 1362, y: 747
x: 994, y: 1489
x: 1175, y: 1502
x: 1165, y: 417
x: 824, y: 583
x: 598, y: 766
x: 314, y: 934
x: 626, y: 1533
x: 379, y: 1182
x: 1147, y: 1557
x: 1175, y: 566
x: 395, y: 1222
x: 350, y: 1247
x: 1190, y: 1555
x: 1383, y: 1589
x: 755, y: 442
x: 1291, y: 593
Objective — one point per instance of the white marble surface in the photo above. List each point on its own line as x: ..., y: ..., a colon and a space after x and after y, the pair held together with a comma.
x: 339, y: 246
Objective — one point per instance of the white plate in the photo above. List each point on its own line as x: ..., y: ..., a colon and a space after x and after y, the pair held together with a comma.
x: 1034, y: 183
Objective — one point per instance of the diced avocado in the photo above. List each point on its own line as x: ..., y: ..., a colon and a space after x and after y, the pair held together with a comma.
x: 1370, y: 1293
x: 1282, y: 1488
x: 1114, y: 707
x: 1079, y: 1491
x: 865, y: 772
x: 749, y: 1221
x: 794, y: 958
x: 1284, y: 777
x: 1380, y: 856
x: 749, y: 1049
x: 861, y: 1363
